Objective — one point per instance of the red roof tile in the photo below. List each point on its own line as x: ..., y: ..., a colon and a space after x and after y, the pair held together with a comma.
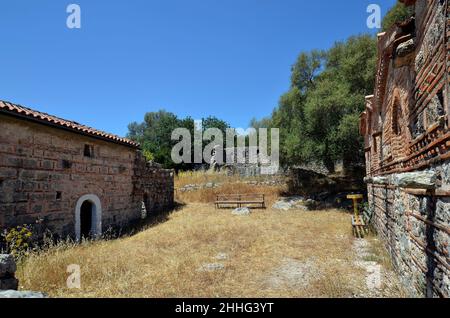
x: 25, y: 112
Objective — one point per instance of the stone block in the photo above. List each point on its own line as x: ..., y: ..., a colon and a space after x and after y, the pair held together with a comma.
x: 30, y: 163
x: 6, y: 196
x: 380, y: 180
x: 14, y: 162
x: 9, y: 283
x: 47, y: 165
x: 22, y: 294
x: 7, y: 173
x: 442, y: 213
x: 7, y: 265
x: 416, y: 180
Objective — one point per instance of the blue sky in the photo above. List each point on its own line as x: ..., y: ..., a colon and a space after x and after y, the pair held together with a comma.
x: 227, y: 58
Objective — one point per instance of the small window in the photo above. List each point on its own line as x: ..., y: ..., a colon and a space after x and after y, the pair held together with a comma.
x: 89, y: 151
x: 58, y: 195
x: 441, y: 107
x: 66, y: 164
x: 122, y: 169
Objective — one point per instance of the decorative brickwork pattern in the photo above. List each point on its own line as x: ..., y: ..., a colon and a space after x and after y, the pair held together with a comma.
x: 406, y: 131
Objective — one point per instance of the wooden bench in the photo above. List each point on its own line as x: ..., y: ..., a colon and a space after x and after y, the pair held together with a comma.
x: 360, y: 224
x: 240, y: 200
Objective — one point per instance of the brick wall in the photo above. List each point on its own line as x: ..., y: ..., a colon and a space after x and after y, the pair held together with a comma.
x: 44, y: 172
x: 407, y: 137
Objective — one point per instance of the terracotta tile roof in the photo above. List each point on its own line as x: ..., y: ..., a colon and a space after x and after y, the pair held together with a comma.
x: 24, y: 112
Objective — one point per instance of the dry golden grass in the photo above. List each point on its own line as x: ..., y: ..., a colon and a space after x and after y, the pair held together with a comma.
x: 265, y: 251
x: 229, y: 185
x: 203, y: 177
x: 271, y: 193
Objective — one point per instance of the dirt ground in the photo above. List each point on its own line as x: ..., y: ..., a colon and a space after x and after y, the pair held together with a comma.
x: 198, y: 251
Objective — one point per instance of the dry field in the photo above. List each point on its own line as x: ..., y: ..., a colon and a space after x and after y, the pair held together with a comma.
x: 199, y: 177
x: 266, y: 254
x: 198, y: 251
x: 229, y: 185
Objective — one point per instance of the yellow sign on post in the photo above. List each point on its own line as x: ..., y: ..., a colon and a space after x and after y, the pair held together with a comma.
x: 355, y: 198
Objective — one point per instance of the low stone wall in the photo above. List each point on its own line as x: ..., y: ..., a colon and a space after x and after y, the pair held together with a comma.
x: 215, y: 185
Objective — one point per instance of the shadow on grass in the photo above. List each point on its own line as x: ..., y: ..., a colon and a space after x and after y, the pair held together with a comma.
x: 154, y: 219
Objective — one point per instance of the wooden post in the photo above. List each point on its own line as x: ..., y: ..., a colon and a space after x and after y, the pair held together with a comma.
x: 355, y: 198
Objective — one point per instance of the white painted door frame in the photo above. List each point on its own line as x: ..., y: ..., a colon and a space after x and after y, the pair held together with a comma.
x: 96, y: 215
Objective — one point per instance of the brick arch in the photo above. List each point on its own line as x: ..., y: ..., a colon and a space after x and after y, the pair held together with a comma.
x: 400, y: 124
x: 396, y: 116
x: 402, y: 112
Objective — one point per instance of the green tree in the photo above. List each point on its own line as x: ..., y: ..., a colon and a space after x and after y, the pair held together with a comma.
x: 265, y: 122
x: 338, y: 98
x: 155, y: 135
x: 398, y: 13
x: 214, y: 122
x: 306, y: 69
x: 318, y: 117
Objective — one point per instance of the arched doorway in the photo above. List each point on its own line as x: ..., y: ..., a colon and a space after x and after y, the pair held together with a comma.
x: 88, y: 217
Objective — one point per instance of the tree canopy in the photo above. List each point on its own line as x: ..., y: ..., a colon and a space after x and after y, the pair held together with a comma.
x: 155, y: 132
x: 398, y: 13
x: 318, y: 116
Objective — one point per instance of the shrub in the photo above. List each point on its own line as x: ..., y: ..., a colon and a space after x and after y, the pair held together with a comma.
x: 18, y: 240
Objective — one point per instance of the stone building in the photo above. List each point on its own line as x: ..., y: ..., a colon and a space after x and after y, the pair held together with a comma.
x: 71, y: 179
x: 407, y: 141
x: 246, y: 161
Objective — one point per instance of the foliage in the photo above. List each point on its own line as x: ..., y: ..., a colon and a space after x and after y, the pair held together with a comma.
x: 398, y: 13
x: 318, y: 117
x: 214, y: 122
x: 18, y: 240
x: 149, y: 156
x: 154, y: 135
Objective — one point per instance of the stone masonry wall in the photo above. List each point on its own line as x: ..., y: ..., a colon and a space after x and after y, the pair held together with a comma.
x: 155, y: 185
x: 44, y: 172
x: 407, y: 140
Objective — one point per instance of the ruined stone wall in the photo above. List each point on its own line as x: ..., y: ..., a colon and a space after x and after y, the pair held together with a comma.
x: 44, y: 172
x: 155, y: 185
x: 406, y: 129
